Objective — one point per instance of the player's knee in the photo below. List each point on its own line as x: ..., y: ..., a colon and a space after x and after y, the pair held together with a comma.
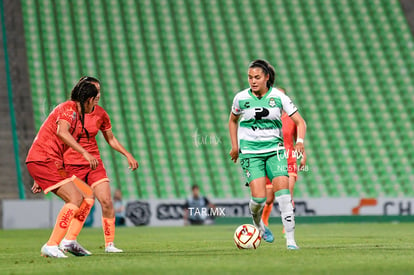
x: 269, y: 201
x: 106, y: 203
x: 76, y: 199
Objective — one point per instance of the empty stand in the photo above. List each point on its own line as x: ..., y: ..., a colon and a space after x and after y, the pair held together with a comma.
x: 170, y: 70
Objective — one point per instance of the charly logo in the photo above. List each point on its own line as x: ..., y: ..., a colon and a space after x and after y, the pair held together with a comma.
x: 138, y: 212
x: 64, y: 223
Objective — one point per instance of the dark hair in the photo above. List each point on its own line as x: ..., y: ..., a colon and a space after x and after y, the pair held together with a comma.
x: 195, y: 186
x: 81, y: 93
x: 89, y: 79
x: 267, y: 69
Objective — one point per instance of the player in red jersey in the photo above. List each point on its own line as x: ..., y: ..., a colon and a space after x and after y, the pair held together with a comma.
x: 289, y: 130
x: 97, y: 120
x: 45, y: 160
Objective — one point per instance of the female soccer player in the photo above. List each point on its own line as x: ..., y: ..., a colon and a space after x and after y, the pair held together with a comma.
x: 289, y: 130
x: 45, y: 159
x: 258, y: 140
x: 97, y: 179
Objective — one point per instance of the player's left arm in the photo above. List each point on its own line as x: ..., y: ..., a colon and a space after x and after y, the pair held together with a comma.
x: 301, y: 132
x: 114, y: 143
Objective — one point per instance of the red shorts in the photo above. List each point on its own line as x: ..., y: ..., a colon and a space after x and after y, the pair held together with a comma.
x: 49, y: 175
x: 85, y: 173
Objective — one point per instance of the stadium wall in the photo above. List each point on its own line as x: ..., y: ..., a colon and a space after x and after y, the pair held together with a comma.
x: 27, y: 214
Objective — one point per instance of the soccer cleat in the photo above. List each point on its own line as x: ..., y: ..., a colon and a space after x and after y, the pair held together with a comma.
x: 110, y: 248
x: 74, y: 247
x: 52, y: 251
x: 284, y: 233
x: 292, y: 247
x: 268, y: 235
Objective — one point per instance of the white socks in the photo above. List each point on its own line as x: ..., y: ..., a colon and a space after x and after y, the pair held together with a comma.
x: 256, y: 208
x: 288, y: 217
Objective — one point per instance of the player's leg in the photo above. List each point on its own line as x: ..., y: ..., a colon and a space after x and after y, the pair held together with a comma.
x: 69, y: 243
x: 276, y: 167
x: 292, y: 181
x: 55, y: 179
x: 257, y: 201
x: 103, y: 194
x: 270, y: 197
x: 284, y: 199
x: 293, y: 173
x: 254, y: 169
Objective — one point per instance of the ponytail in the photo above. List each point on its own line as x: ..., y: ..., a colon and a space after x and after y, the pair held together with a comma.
x: 81, y: 93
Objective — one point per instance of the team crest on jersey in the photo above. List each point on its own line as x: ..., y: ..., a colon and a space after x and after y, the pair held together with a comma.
x: 74, y: 116
x: 272, y: 102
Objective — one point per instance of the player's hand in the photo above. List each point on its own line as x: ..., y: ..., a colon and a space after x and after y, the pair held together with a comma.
x: 36, y: 188
x: 299, y: 148
x: 93, y: 162
x: 234, y: 154
x: 302, y: 164
x: 132, y: 162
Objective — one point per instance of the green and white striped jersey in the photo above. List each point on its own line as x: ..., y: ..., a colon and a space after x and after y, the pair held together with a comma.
x: 260, y: 126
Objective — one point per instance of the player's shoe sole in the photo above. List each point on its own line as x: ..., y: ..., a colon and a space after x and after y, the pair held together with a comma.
x: 293, y: 247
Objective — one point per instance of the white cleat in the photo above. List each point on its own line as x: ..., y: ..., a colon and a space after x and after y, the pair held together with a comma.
x: 52, y: 251
x: 293, y: 246
x: 74, y: 247
x: 110, y: 248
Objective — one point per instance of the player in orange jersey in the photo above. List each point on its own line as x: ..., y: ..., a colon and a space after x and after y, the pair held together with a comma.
x: 97, y: 120
x: 45, y: 159
x: 289, y: 135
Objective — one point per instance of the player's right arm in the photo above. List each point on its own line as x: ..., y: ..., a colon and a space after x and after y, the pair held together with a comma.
x: 63, y: 133
x: 233, y: 125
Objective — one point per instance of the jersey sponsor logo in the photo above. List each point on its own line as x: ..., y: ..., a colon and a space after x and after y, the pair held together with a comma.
x: 247, y: 104
x: 83, y: 213
x: 260, y: 113
x: 272, y: 102
x: 64, y: 222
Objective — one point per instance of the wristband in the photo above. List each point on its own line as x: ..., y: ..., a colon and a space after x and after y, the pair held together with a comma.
x: 299, y: 140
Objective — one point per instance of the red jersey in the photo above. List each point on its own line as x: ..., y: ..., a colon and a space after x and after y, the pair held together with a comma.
x: 97, y: 120
x: 289, y: 134
x: 47, y: 145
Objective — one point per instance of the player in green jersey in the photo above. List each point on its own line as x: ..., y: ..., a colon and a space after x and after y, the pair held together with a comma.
x: 255, y: 127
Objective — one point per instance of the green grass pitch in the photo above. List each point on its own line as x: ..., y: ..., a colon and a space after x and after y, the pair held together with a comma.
x: 343, y: 248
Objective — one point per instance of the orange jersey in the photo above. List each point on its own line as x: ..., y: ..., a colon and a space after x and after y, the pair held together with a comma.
x: 289, y: 134
x: 95, y: 121
x: 47, y: 145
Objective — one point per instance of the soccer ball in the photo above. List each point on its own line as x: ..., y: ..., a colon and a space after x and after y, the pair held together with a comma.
x: 247, y: 236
